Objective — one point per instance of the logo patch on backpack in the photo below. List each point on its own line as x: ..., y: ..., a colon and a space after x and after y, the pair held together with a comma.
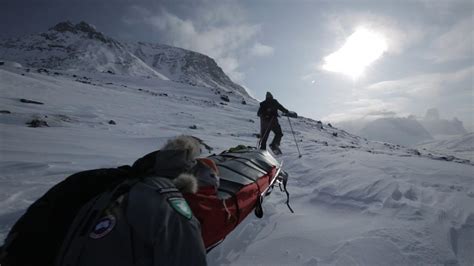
x: 181, y: 206
x: 103, y: 227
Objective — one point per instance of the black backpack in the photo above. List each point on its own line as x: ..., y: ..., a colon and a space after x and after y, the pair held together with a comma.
x: 36, y: 237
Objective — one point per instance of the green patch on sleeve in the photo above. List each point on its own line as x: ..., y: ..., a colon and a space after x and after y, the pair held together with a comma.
x: 181, y: 206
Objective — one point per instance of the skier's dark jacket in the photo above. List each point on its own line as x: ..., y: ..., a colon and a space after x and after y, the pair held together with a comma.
x: 147, y: 229
x: 269, y: 109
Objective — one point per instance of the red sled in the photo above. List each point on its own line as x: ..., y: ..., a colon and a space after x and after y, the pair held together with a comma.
x: 246, y: 177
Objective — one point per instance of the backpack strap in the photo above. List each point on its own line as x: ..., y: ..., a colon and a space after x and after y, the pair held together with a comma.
x: 163, y: 186
x: 171, y: 194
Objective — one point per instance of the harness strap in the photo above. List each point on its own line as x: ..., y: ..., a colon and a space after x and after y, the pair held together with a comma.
x: 238, y: 210
x: 236, y: 202
x: 226, y: 210
x: 258, y: 207
x: 165, y: 187
x: 285, y: 180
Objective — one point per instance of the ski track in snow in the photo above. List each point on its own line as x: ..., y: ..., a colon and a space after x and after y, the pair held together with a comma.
x: 356, y: 202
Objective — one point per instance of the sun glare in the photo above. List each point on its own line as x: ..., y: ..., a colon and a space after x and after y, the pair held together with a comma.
x: 360, y: 50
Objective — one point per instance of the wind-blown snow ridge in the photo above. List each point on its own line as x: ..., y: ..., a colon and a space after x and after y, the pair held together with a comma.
x: 81, y: 47
x: 356, y: 202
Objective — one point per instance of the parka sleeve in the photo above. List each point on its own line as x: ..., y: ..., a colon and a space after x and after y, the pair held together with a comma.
x: 281, y: 108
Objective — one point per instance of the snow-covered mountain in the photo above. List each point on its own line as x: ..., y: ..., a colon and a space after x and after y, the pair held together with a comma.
x: 409, y: 130
x: 356, y: 202
x: 402, y: 131
x: 438, y: 126
x: 81, y: 47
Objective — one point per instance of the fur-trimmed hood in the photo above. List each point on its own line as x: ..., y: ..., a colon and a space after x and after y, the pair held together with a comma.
x: 186, y: 183
x: 174, y: 161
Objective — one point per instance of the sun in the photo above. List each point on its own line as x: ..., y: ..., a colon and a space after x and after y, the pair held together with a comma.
x: 360, y: 49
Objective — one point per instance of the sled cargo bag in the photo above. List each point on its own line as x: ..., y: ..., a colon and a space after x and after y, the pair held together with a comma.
x: 244, y: 176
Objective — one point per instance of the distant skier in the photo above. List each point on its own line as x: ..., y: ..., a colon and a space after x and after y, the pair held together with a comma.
x: 268, y: 113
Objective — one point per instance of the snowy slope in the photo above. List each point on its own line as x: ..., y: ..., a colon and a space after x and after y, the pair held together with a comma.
x: 81, y: 47
x: 185, y: 66
x: 72, y: 48
x: 356, y: 202
x: 460, y: 146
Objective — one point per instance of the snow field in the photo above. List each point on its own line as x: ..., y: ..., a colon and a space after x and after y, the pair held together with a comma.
x: 356, y: 202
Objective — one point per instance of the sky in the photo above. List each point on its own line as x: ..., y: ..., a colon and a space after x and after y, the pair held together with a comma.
x: 425, y: 56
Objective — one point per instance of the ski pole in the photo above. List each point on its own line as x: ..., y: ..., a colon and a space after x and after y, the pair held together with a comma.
x: 298, y: 148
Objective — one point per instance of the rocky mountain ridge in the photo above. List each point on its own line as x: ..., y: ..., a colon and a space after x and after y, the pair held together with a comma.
x: 80, y: 47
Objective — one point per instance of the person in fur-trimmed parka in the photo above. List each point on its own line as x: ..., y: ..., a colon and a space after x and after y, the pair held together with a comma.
x: 142, y: 220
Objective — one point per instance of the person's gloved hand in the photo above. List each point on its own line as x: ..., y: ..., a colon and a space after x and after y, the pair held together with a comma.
x: 292, y: 114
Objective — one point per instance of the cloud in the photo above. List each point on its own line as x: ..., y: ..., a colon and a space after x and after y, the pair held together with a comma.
x: 382, y: 113
x: 454, y: 44
x: 449, y: 91
x: 411, y: 95
x: 230, y: 66
x: 427, y: 85
x: 261, y: 50
x: 218, y: 30
x: 446, y: 9
x: 399, y: 34
x: 365, y: 109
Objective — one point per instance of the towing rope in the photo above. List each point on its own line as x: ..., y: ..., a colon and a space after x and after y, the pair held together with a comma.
x: 285, y: 180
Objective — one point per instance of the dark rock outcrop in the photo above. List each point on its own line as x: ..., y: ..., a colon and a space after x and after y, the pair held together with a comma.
x: 225, y: 98
x: 37, y: 123
x: 30, y: 101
